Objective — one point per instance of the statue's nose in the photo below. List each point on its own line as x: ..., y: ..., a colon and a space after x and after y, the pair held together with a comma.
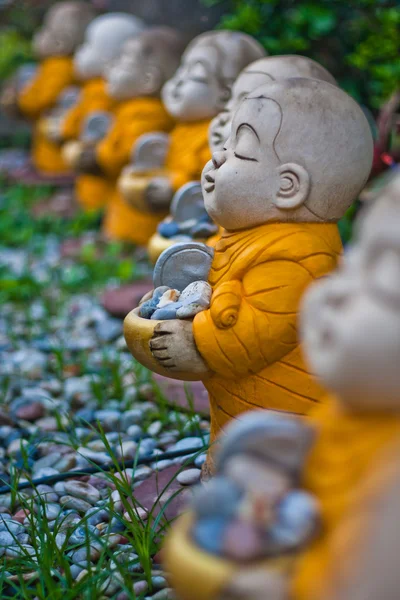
x: 218, y: 159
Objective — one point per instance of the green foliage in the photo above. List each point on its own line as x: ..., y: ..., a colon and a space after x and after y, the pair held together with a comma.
x: 93, y: 267
x: 15, y: 50
x: 358, y: 42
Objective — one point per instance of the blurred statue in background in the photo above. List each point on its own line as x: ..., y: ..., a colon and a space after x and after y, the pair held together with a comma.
x: 197, y: 92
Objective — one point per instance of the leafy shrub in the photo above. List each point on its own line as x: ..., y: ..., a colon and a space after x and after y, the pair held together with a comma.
x: 357, y: 41
x: 15, y: 50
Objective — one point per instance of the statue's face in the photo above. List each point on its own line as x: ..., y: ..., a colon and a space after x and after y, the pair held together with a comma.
x: 132, y: 75
x: 89, y: 62
x: 195, y: 92
x: 240, y: 182
x: 221, y: 125
x: 351, y: 322
x: 55, y: 38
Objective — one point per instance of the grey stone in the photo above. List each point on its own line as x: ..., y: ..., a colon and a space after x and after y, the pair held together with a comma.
x: 218, y: 497
x: 126, y: 449
x: 182, y: 264
x: 203, y: 230
x: 20, y: 551
x: 146, y: 447
x: 110, y: 419
x: 45, y: 493
x: 46, y: 472
x: 49, y: 511
x: 76, y: 387
x: 189, y: 477
x: 131, y: 417
x: 135, y: 432
x: 208, y: 533
x: 187, y: 444
x: 140, y: 587
x: 99, y: 458
x: 200, y: 460
x: 75, y: 503
x: 169, y: 296
x: 86, y: 554
x: 7, y: 539
x: 187, y: 203
x: 10, y: 526
x: 198, y: 292
x: 141, y: 473
x: 154, y: 428
x: 96, y: 516
x: 75, y: 571
x: 188, y: 311
x: 158, y: 582
x: 166, y: 313
x: 83, y: 490
x: 80, y: 535
x: 166, y: 594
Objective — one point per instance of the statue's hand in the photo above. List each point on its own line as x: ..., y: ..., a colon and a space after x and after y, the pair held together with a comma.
x: 159, y: 194
x: 174, y: 347
x: 87, y: 162
x: 52, y: 129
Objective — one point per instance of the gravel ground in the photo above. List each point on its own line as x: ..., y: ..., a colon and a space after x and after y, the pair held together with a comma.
x: 72, y: 399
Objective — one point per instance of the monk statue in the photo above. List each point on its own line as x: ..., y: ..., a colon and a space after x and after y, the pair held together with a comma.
x: 270, y: 68
x: 54, y: 44
x: 350, y: 324
x: 134, y: 81
x: 299, y: 152
x: 196, y: 93
x: 102, y: 44
x: 264, y: 70
x: 351, y: 331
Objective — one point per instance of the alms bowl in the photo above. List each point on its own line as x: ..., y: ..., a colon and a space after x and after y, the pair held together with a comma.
x: 197, y: 575
x: 138, y: 333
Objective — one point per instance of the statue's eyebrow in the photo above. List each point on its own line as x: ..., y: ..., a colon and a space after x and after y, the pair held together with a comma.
x: 250, y: 127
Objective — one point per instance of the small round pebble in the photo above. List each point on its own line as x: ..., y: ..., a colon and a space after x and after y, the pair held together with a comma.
x: 189, y: 477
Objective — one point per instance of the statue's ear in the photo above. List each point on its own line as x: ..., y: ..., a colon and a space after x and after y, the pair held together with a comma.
x: 153, y: 80
x: 294, y: 186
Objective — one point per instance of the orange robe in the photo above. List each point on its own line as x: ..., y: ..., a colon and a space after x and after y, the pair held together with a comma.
x: 47, y: 156
x: 38, y: 96
x: 133, y: 119
x: 93, y: 97
x: 346, y: 454
x: 90, y: 190
x: 248, y: 336
x: 188, y: 153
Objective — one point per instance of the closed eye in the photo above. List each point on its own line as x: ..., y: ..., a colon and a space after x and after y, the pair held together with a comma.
x: 244, y: 157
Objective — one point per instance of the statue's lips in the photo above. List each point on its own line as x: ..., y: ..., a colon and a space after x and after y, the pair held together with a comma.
x: 216, y: 137
x: 210, y: 185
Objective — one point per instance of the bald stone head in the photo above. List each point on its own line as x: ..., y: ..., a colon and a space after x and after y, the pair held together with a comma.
x: 209, y: 66
x: 63, y: 29
x: 351, y: 321
x: 145, y: 63
x: 264, y: 70
x: 300, y: 150
x: 104, y: 39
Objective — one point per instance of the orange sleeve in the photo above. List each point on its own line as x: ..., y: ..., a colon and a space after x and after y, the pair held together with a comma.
x: 114, y: 151
x: 188, y: 165
x: 92, y: 98
x: 71, y: 125
x: 252, y: 323
x: 42, y: 93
